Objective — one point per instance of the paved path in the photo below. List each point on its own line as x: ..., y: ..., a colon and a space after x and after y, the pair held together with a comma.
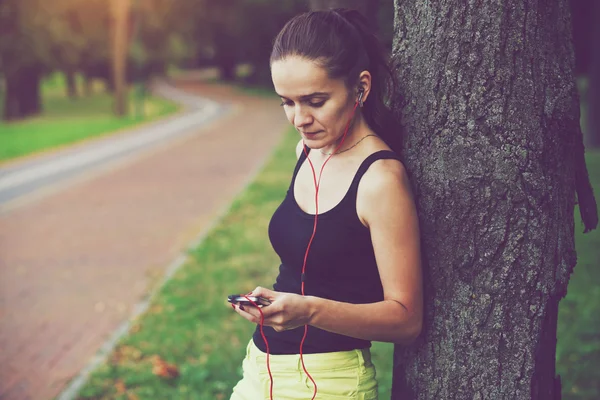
x: 21, y: 178
x: 75, y: 262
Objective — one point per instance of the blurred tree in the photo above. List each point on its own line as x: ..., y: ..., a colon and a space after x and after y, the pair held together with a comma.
x: 195, y: 28
x: 226, y: 33
x: 73, y: 36
x: 223, y: 13
x: 93, y: 25
x: 66, y: 40
x: 207, y: 33
x: 260, y: 22
x: 120, y: 43
x: 583, y: 26
x: 162, y: 27
x: 494, y: 150
x: 37, y: 38
x: 24, y: 52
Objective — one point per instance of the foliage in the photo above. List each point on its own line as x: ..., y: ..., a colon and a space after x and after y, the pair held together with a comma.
x: 229, y: 32
x: 18, y: 46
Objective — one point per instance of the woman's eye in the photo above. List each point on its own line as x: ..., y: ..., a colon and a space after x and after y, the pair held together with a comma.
x: 315, y: 104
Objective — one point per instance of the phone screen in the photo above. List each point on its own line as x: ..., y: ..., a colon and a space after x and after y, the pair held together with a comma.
x: 240, y: 299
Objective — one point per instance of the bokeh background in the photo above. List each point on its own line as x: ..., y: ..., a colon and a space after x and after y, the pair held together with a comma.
x: 75, y: 71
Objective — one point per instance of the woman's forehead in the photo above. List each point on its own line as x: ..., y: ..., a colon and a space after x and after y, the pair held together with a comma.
x: 297, y: 76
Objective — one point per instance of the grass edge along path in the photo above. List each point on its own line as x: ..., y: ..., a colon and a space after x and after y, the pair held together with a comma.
x: 190, y: 344
x: 65, y: 122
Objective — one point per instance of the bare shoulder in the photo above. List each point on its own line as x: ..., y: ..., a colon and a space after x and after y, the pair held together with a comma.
x: 299, y: 148
x: 384, y: 175
x: 384, y: 190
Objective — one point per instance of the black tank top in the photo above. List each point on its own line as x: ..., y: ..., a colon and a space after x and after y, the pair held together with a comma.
x: 341, y: 264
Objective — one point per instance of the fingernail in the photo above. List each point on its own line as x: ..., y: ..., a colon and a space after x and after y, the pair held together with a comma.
x: 232, y: 306
x: 242, y: 308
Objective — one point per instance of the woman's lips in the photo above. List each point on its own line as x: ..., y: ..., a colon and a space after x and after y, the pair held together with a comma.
x: 311, y: 133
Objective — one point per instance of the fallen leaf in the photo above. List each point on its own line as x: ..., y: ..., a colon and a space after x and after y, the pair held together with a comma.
x: 120, y: 386
x: 163, y: 369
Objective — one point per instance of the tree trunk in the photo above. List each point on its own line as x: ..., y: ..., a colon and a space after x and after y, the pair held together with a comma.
x: 71, y: 84
x: 369, y: 8
x: 121, y: 9
x: 11, y: 101
x: 225, y: 56
x: 31, y: 98
x: 494, y: 149
x: 593, y: 90
x: 87, y: 85
x: 22, y: 97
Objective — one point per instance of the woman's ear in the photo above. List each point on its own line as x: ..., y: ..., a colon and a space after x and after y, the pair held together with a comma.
x: 364, y: 85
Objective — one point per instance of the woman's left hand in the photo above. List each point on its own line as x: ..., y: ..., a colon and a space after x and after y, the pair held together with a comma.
x: 286, y: 311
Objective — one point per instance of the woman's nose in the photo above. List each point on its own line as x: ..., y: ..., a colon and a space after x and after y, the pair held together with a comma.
x: 302, y: 117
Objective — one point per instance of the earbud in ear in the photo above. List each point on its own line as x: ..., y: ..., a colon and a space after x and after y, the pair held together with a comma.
x: 361, y: 92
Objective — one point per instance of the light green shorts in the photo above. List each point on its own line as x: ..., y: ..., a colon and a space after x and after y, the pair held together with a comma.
x: 347, y: 375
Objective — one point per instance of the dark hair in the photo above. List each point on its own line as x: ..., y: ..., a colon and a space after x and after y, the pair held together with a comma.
x: 342, y: 42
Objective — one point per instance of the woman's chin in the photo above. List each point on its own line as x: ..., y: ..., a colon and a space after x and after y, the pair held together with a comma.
x: 313, y: 142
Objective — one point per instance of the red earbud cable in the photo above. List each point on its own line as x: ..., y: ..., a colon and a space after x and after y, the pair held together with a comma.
x: 262, y: 318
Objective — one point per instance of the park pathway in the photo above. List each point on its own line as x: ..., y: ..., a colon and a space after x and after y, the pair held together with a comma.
x: 75, y: 262
x: 42, y: 173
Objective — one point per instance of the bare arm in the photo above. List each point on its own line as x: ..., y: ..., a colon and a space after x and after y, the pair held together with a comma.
x: 386, y: 206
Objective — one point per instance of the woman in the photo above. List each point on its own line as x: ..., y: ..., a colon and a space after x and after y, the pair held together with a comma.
x: 361, y: 279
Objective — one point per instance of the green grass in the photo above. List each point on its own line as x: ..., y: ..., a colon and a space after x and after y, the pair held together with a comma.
x: 65, y: 121
x: 578, y: 349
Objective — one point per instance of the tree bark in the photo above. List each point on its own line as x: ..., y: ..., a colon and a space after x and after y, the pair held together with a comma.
x: 488, y: 99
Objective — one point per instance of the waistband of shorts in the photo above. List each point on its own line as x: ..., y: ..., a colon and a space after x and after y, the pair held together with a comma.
x: 358, y: 358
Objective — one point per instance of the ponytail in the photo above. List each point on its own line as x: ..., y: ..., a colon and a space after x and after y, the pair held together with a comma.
x: 383, y: 83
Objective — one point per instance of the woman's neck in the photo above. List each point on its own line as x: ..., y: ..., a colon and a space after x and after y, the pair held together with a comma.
x: 357, y: 131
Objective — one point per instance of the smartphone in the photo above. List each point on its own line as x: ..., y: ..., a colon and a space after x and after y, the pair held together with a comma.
x: 241, y: 300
